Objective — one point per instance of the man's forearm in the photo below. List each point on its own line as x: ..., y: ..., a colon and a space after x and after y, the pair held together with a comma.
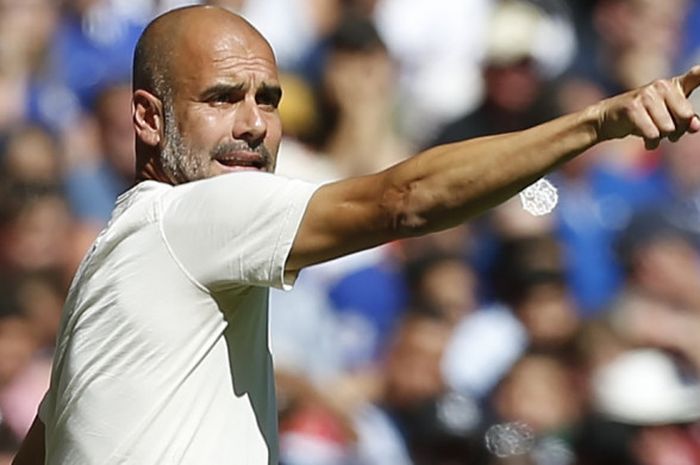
x: 444, y: 186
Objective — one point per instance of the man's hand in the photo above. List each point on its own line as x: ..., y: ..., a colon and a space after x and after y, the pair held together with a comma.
x: 656, y: 111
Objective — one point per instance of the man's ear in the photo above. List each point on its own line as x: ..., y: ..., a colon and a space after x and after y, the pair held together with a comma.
x: 147, y: 115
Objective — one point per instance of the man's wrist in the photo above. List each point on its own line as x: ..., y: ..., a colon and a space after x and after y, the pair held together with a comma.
x: 591, y: 119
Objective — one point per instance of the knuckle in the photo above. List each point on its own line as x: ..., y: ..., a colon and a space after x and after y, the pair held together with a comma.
x: 648, y: 95
x: 649, y: 91
x: 634, y: 105
x: 686, y: 111
x: 652, y: 94
x: 661, y: 85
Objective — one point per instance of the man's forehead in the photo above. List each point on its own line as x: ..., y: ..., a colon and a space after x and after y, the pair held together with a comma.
x: 225, y: 53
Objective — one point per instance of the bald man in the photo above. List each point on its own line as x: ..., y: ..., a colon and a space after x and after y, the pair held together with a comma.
x: 162, y: 356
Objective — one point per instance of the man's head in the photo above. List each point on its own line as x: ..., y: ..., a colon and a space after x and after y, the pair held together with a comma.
x: 205, y: 97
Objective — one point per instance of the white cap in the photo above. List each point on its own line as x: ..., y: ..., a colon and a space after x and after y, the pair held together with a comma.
x: 512, y: 32
x: 520, y: 30
x: 644, y: 387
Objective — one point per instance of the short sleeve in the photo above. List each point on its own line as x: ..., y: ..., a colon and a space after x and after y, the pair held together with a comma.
x: 235, y: 229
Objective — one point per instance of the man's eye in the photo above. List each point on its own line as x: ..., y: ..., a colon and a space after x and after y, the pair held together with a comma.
x: 270, y: 101
x: 222, y: 98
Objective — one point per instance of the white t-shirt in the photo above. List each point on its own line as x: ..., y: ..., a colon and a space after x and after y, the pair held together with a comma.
x: 163, y: 356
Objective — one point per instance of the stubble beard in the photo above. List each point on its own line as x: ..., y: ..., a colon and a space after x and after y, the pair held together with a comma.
x: 179, y: 161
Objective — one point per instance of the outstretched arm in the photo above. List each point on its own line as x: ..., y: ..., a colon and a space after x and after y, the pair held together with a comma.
x: 446, y: 185
x: 32, y: 450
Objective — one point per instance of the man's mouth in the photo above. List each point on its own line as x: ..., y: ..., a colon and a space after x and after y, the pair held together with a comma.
x: 239, y: 161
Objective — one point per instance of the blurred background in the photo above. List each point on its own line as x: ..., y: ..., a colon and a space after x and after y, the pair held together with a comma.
x: 583, y: 324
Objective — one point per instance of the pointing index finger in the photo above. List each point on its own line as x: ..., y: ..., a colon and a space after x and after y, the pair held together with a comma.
x: 690, y: 80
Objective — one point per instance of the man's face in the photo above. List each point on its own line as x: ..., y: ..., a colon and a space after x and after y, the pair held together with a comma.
x: 221, y: 116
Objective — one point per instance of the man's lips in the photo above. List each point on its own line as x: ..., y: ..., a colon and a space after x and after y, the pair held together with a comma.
x: 242, y: 160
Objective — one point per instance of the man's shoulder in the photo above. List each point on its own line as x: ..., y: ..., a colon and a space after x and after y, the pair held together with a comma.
x: 138, y: 202
x: 235, y: 191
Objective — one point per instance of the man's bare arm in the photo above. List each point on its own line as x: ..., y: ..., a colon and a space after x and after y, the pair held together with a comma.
x: 32, y: 450
x: 446, y: 185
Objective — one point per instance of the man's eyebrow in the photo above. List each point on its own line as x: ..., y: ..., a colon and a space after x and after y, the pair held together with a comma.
x: 270, y: 91
x: 221, y: 89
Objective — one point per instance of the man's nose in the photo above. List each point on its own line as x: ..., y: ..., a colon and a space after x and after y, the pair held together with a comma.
x: 250, y: 124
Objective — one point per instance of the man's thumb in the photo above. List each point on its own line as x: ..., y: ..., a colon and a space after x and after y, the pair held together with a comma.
x: 690, y: 80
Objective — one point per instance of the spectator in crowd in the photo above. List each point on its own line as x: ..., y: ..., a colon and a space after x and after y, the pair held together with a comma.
x: 433, y: 423
x: 541, y: 391
x: 26, y: 33
x: 660, y: 305
x: 31, y: 158
x: 643, y: 412
x: 531, y: 281
x: 93, y: 39
x: 312, y: 430
x: 435, y: 83
x: 635, y: 41
x: 517, y: 93
x: 102, y: 165
x: 35, y: 232
x: 484, y: 339
x: 358, y: 87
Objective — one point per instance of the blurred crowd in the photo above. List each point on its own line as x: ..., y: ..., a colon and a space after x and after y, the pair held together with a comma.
x: 583, y: 325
